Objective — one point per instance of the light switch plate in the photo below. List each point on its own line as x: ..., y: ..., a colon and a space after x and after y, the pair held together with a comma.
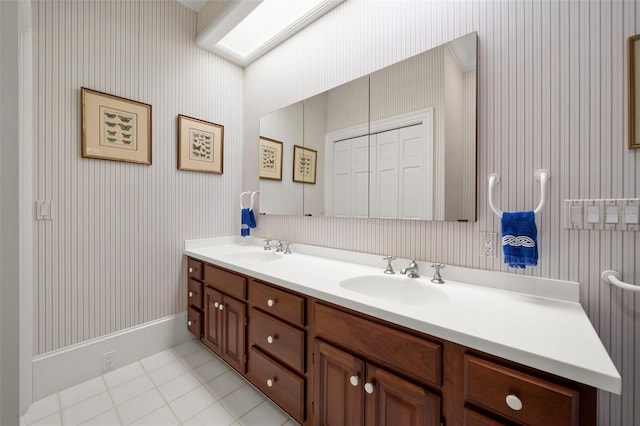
x: 43, y: 210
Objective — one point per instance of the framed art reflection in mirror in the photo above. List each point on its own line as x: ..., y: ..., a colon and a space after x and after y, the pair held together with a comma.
x: 634, y: 91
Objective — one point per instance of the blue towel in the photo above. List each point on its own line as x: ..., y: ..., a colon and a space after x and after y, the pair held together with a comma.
x: 519, y: 239
x: 252, y: 219
x: 245, y: 216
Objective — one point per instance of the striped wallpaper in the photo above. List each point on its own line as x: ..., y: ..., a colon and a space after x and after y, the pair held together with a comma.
x: 552, y: 94
x: 111, y: 258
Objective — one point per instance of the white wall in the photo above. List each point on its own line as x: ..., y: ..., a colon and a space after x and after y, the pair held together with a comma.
x: 552, y: 94
x: 111, y: 258
x: 9, y: 212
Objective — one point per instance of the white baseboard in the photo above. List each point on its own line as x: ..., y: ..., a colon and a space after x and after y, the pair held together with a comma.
x: 58, y: 370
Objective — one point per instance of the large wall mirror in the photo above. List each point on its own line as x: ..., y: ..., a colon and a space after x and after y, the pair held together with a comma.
x: 399, y: 143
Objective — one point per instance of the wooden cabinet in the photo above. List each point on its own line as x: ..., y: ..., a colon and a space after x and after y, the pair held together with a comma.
x: 194, y: 297
x: 350, y: 391
x: 225, y: 322
x: 277, y: 356
x: 328, y: 365
x: 519, y: 397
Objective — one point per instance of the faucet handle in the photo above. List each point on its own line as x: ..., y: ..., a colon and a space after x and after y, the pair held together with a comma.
x: 389, y: 269
x: 287, y: 250
x: 436, y: 276
x: 266, y: 244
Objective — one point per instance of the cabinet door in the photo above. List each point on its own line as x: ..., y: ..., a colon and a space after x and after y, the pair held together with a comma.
x: 338, y: 395
x: 213, y: 319
x: 391, y: 400
x: 234, y: 334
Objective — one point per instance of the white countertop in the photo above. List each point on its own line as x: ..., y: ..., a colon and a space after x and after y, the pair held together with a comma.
x: 533, y: 321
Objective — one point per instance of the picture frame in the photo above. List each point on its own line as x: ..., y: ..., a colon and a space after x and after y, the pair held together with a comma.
x: 200, y: 145
x: 633, y: 48
x: 115, y: 128
x: 304, y: 164
x: 270, y: 159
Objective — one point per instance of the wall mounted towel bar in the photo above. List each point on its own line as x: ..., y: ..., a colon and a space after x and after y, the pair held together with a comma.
x: 242, y: 194
x: 542, y: 175
x: 615, y: 277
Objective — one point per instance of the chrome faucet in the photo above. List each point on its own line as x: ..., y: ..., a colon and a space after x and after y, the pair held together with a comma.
x: 287, y: 249
x: 268, y: 246
x: 436, y: 277
x: 411, y: 270
x: 389, y: 269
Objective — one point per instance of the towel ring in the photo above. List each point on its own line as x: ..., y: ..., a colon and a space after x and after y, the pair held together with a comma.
x: 242, y: 194
x: 615, y: 277
x: 253, y: 194
x: 542, y: 175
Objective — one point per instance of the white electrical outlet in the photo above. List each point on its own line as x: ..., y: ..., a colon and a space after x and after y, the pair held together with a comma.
x: 108, y: 360
x: 487, y: 243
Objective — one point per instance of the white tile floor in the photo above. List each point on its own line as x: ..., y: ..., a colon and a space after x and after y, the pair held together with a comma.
x: 185, y: 385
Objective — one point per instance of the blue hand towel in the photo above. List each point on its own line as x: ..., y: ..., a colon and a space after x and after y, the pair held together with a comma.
x: 252, y: 219
x: 519, y: 239
x: 245, y: 221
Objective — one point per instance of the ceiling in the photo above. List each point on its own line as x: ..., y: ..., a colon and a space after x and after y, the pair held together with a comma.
x: 195, y: 5
x: 218, y: 18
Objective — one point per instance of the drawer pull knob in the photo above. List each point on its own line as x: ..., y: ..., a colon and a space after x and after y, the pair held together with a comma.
x: 514, y: 402
x: 216, y: 304
x: 190, y: 270
x: 221, y: 307
x: 189, y: 323
x: 270, y: 382
x: 190, y: 294
x: 368, y: 387
x: 354, y: 380
x: 271, y: 302
x: 270, y: 339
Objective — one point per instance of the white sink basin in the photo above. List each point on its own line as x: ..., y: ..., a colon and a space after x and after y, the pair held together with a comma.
x: 397, y: 288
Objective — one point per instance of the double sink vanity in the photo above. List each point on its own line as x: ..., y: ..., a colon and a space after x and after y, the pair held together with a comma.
x: 331, y: 339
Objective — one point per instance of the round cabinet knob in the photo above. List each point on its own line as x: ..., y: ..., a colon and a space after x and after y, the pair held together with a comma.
x: 190, y: 294
x: 216, y: 304
x: 221, y: 307
x: 271, y: 302
x: 270, y: 382
x: 189, y: 323
x: 270, y: 339
x: 190, y: 270
x: 368, y: 387
x: 354, y: 380
x: 514, y: 402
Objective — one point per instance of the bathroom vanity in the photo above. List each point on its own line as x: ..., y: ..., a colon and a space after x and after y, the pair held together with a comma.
x: 339, y: 342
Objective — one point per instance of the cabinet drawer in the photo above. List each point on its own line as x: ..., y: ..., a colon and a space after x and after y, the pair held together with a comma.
x: 194, y: 322
x: 278, y: 302
x: 195, y: 269
x: 287, y: 388
x: 225, y: 281
x: 194, y: 294
x: 278, y: 339
x: 406, y: 353
x: 542, y: 402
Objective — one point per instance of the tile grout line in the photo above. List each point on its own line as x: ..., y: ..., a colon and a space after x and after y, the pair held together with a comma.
x: 203, y: 385
x: 155, y: 385
x: 113, y: 402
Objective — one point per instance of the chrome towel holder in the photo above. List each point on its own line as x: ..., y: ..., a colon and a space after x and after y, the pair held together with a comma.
x: 615, y: 278
x: 542, y: 175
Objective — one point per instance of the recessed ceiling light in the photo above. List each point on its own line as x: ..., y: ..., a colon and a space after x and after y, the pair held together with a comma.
x: 249, y: 29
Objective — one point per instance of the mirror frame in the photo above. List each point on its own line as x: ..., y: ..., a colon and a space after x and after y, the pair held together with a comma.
x: 634, y: 87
